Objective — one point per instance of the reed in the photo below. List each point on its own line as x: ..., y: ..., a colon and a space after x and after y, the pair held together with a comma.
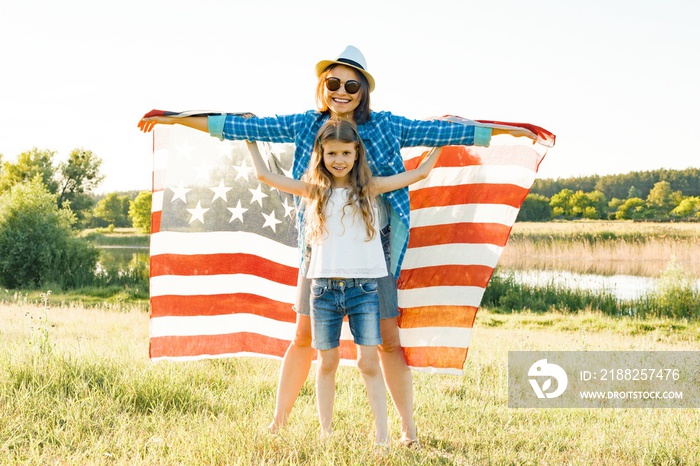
x: 604, y: 248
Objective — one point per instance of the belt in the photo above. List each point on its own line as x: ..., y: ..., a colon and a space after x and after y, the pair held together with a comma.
x: 341, y: 283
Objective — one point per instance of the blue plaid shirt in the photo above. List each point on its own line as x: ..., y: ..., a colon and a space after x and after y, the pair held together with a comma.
x: 384, y: 136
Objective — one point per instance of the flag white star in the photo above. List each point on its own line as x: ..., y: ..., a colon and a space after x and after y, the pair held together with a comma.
x: 197, y: 212
x: 220, y: 191
x: 184, y: 151
x: 237, y: 212
x: 242, y: 170
x: 271, y: 221
x: 179, y: 193
x: 226, y: 149
x: 202, y: 171
x: 288, y: 209
x: 258, y: 195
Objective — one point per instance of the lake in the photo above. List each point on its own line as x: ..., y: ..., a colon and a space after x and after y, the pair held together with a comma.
x: 122, y: 257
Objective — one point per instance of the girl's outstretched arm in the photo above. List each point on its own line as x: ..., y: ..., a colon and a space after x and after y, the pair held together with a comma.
x: 383, y: 184
x: 281, y: 182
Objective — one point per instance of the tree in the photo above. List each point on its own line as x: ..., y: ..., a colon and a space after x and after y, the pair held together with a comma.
x: 535, y: 208
x: 29, y: 165
x: 689, y: 207
x: 633, y: 208
x: 591, y: 205
x: 633, y: 192
x: 79, y: 176
x: 72, y: 181
x: 661, y: 200
x: 561, y: 205
x: 37, y: 243
x: 113, y: 210
x: 613, y: 205
x: 140, y: 212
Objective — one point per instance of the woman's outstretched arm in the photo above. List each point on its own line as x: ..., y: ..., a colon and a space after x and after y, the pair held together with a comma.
x: 146, y: 124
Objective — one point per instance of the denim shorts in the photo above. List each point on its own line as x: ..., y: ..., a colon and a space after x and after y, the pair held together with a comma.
x: 386, y: 286
x: 332, y: 300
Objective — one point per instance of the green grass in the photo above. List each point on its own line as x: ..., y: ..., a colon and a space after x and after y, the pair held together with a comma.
x: 118, y: 298
x: 123, y: 237
x: 76, y: 387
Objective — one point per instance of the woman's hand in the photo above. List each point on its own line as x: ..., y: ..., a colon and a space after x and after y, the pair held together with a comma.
x: 516, y: 132
x: 146, y: 124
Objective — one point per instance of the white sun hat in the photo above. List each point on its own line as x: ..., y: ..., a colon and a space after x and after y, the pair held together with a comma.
x: 351, y: 57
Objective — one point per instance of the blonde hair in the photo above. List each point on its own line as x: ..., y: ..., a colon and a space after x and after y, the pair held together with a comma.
x: 321, y: 182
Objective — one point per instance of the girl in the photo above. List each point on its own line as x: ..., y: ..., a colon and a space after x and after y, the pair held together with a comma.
x: 343, y: 91
x: 347, y: 257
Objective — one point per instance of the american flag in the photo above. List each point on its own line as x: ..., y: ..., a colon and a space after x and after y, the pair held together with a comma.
x: 224, y: 256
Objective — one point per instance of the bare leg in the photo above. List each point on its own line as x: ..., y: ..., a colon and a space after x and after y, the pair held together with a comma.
x: 325, y: 388
x: 368, y: 363
x: 294, y: 371
x: 398, y: 377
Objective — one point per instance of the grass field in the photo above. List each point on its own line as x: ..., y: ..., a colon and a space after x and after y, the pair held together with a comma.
x: 76, y: 387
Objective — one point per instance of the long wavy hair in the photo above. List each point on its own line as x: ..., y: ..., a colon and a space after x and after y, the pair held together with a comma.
x: 362, y: 112
x: 359, y: 199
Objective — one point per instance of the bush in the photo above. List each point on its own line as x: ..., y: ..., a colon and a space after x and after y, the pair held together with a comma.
x: 37, y: 243
x: 675, y: 295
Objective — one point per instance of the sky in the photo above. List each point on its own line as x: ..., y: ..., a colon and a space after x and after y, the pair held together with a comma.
x: 615, y: 80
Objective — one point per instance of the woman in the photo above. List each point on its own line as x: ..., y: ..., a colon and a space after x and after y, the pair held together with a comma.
x: 343, y: 92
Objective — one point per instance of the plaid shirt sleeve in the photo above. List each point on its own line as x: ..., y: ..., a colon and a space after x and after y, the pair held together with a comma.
x: 279, y: 128
x: 434, y: 133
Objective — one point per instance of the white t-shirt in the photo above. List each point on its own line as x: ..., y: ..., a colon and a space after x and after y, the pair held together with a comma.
x: 344, y: 251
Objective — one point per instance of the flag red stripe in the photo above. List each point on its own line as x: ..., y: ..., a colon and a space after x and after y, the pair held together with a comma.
x: 220, y: 264
x: 468, y: 233
x: 220, y: 304
x: 477, y: 193
x: 440, y: 357
x: 445, y: 275
x: 155, y: 221
x: 451, y: 156
x: 215, y: 345
x: 198, y: 345
x: 437, y: 316
x: 461, y: 156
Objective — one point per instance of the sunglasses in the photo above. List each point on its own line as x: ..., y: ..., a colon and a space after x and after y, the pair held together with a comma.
x: 351, y: 86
